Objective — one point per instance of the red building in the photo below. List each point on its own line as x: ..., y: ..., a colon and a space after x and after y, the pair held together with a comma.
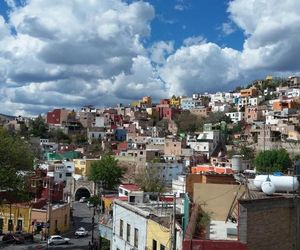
x: 57, y: 116
x: 164, y: 101
x: 166, y: 112
x: 38, y: 187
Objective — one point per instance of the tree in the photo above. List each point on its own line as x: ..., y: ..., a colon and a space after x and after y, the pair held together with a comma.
x: 14, y: 152
x: 59, y: 136
x: 149, y: 180
x: 216, y: 117
x: 187, y: 122
x: 106, y: 171
x: 15, y: 156
x: 38, y: 127
x: 273, y: 160
x: 247, y: 152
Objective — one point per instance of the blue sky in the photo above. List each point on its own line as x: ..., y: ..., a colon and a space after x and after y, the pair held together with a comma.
x: 196, y: 18
x: 58, y: 53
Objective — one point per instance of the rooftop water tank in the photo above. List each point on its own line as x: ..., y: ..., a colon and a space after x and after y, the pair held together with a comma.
x: 236, y: 163
x: 281, y: 183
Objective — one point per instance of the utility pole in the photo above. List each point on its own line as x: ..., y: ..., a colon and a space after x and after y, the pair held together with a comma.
x: 93, y: 222
x: 48, y: 213
x: 173, y: 226
x: 10, y: 220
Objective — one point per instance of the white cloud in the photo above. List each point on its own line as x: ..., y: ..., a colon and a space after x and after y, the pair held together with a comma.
x: 200, y: 67
x: 57, y: 53
x: 227, y: 28
x: 271, y: 28
x: 64, y: 50
x: 160, y: 50
x: 181, y: 5
x: 194, y: 40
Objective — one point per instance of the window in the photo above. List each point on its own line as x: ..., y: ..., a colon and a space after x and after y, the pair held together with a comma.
x: 10, y: 225
x: 136, y: 237
x: 162, y: 247
x: 121, y: 228
x: 154, y: 245
x: 60, y: 176
x: 128, y: 233
x: 19, y: 225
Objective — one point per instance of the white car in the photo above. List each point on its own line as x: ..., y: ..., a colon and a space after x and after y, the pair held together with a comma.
x: 83, y: 199
x: 80, y: 232
x: 57, y: 240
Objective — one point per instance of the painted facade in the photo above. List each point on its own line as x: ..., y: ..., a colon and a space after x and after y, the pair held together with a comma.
x: 15, y: 217
x: 158, y: 235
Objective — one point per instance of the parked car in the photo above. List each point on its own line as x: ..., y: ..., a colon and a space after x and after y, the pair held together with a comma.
x: 26, y: 236
x: 11, y: 238
x: 81, y: 232
x: 83, y: 199
x: 57, y: 240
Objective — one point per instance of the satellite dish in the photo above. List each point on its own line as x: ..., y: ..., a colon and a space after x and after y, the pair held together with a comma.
x: 268, y: 187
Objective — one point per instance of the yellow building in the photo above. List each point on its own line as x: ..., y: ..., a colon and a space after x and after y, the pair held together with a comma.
x: 59, y: 217
x: 270, y: 78
x: 135, y: 104
x: 15, y: 217
x: 158, y: 234
x: 83, y: 166
x: 175, y: 101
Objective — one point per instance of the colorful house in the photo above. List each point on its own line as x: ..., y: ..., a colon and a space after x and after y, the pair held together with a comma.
x: 15, y: 217
x: 158, y: 233
x: 83, y: 166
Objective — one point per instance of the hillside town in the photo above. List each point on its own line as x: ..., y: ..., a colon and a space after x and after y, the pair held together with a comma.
x: 206, y: 171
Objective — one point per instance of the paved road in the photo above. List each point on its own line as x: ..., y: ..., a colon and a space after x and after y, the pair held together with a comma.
x: 82, y: 218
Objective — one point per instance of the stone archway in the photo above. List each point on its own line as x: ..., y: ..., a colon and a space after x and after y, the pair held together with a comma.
x: 82, y: 192
x: 83, y: 185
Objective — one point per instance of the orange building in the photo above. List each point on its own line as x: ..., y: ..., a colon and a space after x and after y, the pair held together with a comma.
x: 279, y: 105
x: 147, y: 100
x: 209, y: 168
x: 251, y: 92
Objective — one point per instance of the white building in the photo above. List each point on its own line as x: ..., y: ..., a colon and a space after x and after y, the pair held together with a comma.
x: 205, y: 142
x: 236, y: 116
x: 188, y: 103
x: 292, y: 93
x: 179, y: 185
x: 220, y: 107
x: 129, y: 227
x: 100, y: 121
x: 167, y: 171
x: 61, y: 171
x: 217, y: 97
x: 157, y: 140
x: 95, y: 134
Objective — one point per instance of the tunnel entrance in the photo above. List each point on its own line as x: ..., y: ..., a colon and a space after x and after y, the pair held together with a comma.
x: 82, y: 192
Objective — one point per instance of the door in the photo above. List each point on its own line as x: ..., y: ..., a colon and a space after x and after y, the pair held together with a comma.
x: 1, y: 225
x: 20, y: 225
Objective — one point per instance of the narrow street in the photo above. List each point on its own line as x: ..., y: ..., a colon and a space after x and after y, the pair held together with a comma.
x: 82, y: 218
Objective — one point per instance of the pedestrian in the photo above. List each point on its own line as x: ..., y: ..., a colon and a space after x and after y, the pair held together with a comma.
x: 90, y: 247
